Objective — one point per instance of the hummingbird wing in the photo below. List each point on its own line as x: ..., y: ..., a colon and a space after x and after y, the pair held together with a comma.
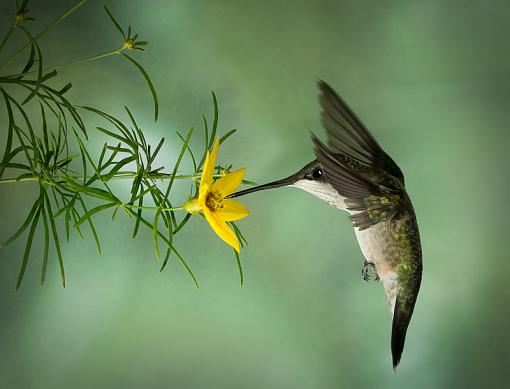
x: 348, y: 136
x: 357, y: 167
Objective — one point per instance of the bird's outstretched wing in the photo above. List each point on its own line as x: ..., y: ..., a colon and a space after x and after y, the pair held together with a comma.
x: 348, y: 136
x: 357, y: 167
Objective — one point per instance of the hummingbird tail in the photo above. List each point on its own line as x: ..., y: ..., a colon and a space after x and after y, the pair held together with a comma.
x: 401, y: 319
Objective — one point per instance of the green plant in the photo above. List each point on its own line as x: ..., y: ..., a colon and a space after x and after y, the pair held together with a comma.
x: 50, y: 149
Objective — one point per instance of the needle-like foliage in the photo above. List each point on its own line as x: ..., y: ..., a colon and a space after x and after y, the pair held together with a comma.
x: 50, y: 149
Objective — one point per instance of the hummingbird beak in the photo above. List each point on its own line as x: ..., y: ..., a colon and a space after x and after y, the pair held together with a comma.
x: 270, y: 185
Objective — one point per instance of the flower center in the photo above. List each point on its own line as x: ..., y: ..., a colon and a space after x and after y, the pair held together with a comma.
x: 20, y: 16
x: 129, y: 44
x: 213, y: 201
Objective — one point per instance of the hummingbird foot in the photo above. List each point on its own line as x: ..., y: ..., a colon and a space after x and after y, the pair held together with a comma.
x: 365, y: 271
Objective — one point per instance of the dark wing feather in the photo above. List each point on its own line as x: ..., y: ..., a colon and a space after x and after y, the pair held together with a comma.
x: 348, y: 136
x: 371, y: 183
x: 344, y: 178
x: 373, y: 201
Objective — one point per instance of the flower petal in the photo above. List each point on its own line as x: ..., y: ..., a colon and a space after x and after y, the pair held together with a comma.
x: 210, y: 162
x: 222, y: 229
x: 229, y: 182
x: 232, y: 210
x: 202, y: 194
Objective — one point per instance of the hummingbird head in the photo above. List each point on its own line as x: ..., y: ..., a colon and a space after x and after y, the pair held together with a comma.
x: 310, y: 179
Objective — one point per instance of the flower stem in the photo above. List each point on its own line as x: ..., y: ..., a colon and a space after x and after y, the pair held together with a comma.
x: 11, y: 30
x: 152, y: 208
x: 119, y: 176
x: 80, y: 61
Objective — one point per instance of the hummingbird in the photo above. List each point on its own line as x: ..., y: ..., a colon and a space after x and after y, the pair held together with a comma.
x: 354, y: 174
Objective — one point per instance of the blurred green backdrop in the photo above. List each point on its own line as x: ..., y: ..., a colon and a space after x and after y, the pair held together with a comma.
x: 430, y: 79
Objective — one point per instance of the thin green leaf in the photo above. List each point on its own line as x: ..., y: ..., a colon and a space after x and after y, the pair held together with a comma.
x: 76, y: 216
x: 206, y: 143
x: 30, y: 61
x: 116, y: 24
x: 46, y: 246
x: 165, y: 261
x: 135, y: 186
x: 177, y: 163
x: 215, y: 121
x: 12, y: 165
x: 171, y: 246
x: 91, y: 226
x: 19, y: 132
x: 182, y: 223
x: 156, y: 151
x: 25, y: 176
x: 25, y: 224
x: 65, y: 88
x: 71, y: 109
x: 118, y: 149
x: 115, y: 211
x: 116, y: 122
x: 56, y: 240
x: 115, y: 136
x: 189, y: 151
x: 45, y: 126
x: 84, y: 150
x: 10, y: 131
x: 239, y: 234
x: 227, y: 135
x: 92, y: 212
x: 7, y: 36
x: 239, y: 267
x: 206, y: 132
x: 23, y: 7
x: 119, y: 165
x: 28, y: 247
x: 67, y: 222
x: 49, y: 75
x: 66, y: 161
x: 155, y: 232
x: 16, y: 151
x: 39, y: 65
x: 149, y: 83
x: 90, y: 191
x: 168, y: 216
x: 138, y: 216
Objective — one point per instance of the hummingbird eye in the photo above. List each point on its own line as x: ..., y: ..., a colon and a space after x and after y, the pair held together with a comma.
x: 316, y: 174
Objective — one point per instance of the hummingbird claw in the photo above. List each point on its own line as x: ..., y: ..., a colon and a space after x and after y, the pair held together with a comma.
x: 365, y: 271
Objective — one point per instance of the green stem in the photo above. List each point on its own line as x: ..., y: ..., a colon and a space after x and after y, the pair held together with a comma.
x: 84, y: 60
x: 121, y: 176
x: 48, y: 28
x: 152, y: 208
x: 11, y: 30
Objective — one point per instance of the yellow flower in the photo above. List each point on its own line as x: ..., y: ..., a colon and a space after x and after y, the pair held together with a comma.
x: 212, y: 202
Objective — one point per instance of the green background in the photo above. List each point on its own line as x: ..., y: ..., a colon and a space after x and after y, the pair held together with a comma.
x: 429, y: 78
